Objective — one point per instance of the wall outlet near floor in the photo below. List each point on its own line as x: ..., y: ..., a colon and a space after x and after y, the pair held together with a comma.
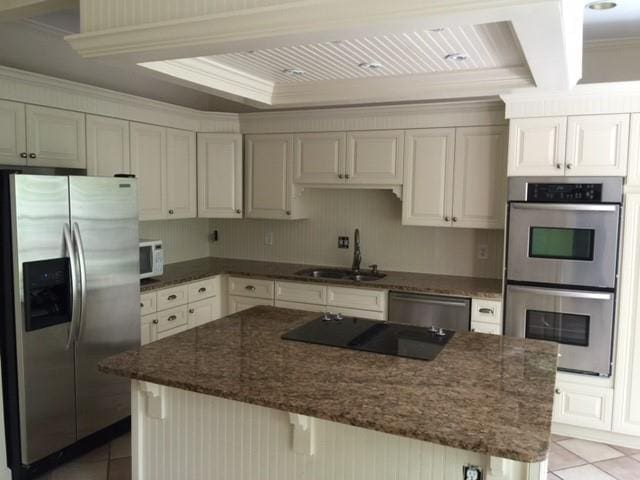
x: 213, y: 236
x: 483, y: 251
x: 268, y: 238
x: 343, y: 242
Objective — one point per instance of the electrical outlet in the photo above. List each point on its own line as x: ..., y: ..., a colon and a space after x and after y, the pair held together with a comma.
x: 483, y: 251
x: 268, y: 238
x: 213, y: 237
x: 471, y: 472
x: 343, y: 242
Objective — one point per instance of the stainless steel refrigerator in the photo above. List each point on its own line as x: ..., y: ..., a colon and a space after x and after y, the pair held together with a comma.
x: 70, y: 283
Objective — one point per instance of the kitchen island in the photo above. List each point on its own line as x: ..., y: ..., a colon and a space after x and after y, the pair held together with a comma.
x: 232, y: 400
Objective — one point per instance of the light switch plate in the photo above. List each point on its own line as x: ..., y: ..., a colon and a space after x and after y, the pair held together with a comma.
x: 483, y: 251
x: 343, y: 242
x: 268, y: 238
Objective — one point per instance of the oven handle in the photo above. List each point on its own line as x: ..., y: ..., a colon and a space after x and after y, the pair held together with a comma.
x: 565, y: 206
x: 563, y: 293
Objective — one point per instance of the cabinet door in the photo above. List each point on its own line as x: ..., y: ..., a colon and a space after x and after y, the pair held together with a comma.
x: 148, y: 154
x: 375, y: 157
x: 148, y: 328
x: 537, y: 146
x: 319, y: 158
x: 107, y: 146
x: 219, y: 175
x: 428, y: 177
x: 238, y: 304
x: 181, y: 174
x: 268, y: 176
x: 479, y: 185
x: 13, y: 134
x: 633, y: 179
x: 583, y: 405
x: 597, y: 145
x: 204, y: 311
x: 55, y: 138
x: 626, y: 412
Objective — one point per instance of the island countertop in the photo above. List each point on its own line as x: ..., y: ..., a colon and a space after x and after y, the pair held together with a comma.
x: 485, y: 393
x: 190, y: 270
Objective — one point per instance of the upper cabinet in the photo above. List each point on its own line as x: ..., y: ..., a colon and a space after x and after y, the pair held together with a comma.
x: 13, y: 133
x: 107, y: 146
x: 586, y: 145
x: 633, y: 177
x: 375, y: 157
x: 219, y: 175
x: 455, y: 177
x: 164, y: 162
x: 269, y: 191
x: 319, y: 158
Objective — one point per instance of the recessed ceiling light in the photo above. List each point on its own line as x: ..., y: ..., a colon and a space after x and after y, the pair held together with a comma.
x: 602, y: 5
x: 295, y: 72
x: 456, y: 57
x: 370, y: 65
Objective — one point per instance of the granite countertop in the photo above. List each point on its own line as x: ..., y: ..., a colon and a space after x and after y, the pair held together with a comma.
x: 191, y: 270
x: 485, y: 393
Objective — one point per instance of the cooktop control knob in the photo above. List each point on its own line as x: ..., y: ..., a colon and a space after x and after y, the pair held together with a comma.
x: 339, y: 316
x: 433, y: 329
x: 326, y: 317
x: 441, y: 332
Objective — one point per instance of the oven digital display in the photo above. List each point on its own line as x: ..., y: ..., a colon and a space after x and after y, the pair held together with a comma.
x: 561, y: 243
x: 564, y: 192
x: 565, y: 328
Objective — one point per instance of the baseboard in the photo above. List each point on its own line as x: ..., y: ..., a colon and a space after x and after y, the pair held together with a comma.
x: 601, y: 436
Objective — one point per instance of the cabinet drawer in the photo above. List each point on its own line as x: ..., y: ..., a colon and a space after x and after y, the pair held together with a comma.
x: 301, y: 292
x: 487, y: 311
x: 170, y: 319
x: 238, y: 304
x: 168, y: 333
x: 355, y: 312
x: 483, y: 327
x: 308, y: 307
x: 359, y: 298
x: 203, y: 289
x: 583, y: 405
x: 251, y: 287
x: 172, y: 297
x: 148, y: 303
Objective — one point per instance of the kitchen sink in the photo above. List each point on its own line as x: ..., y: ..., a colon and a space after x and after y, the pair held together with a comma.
x: 341, y: 274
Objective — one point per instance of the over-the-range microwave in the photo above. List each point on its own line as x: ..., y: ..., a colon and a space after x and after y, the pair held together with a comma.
x: 151, y: 258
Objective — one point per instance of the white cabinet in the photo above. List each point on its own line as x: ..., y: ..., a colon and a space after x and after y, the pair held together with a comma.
x: 537, y: 146
x: 428, y: 176
x: 597, y: 145
x: 375, y: 157
x: 356, y: 298
x: 238, y: 304
x: 268, y: 188
x: 251, y: 287
x: 479, y: 178
x: 219, y: 175
x: 13, y: 134
x: 319, y: 158
x: 164, y: 162
x: 55, y: 138
x: 203, y: 311
x: 107, y: 146
x: 626, y: 417
x: 581, y: 404
x: 486, y: 316
x: 455, y: 177
x: 299, y: 292
x: 180, y: 180
x: 633, y: 177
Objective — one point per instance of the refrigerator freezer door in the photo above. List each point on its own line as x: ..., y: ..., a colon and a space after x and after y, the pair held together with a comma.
x: 45, y: 367
x: 104, y: 217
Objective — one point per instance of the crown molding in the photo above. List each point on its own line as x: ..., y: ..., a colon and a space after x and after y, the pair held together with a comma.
x: 34, y: 88
x: 595, y: 98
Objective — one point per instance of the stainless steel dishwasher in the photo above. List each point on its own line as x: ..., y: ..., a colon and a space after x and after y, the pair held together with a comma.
x: 453, y: 313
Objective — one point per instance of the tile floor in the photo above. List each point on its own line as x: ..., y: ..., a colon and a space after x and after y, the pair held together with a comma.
x: 573, y: 459
x: 109, y: 462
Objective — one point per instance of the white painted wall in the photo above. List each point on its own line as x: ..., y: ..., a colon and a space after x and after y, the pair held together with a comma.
x: 614, y: 61
x: 377, y: 213
x: 182, y: 239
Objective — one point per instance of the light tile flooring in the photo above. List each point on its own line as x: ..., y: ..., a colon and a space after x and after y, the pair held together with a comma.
x: 109, y: 462
x: 573, y: 459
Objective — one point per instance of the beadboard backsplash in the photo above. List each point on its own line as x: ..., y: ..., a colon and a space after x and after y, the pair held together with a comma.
x: 377, y: 213
x: 181, y: 239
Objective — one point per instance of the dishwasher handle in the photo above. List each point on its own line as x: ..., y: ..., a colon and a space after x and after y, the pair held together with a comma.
x: 430, y: 300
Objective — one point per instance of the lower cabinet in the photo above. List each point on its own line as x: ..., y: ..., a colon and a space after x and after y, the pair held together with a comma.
x: 238, y: 303
x: 582, y: 402
x: 486, y: 316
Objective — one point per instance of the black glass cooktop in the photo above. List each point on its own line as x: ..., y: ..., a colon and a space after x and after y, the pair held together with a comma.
x: 372, y: 336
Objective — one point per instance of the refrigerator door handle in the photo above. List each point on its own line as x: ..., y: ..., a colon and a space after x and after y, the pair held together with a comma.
x: 75, y: 294
x: 77, y: 237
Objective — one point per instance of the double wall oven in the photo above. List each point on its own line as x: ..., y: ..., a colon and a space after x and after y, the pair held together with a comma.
x: 562, y: 251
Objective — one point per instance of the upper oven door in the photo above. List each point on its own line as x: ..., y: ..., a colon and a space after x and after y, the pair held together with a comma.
x: 567, y: 244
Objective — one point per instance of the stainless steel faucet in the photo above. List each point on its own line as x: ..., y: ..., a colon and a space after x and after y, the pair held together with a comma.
x: 357, y: 256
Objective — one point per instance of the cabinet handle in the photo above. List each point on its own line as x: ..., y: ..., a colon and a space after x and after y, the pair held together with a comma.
x: 191, y: 310
x: 251, y: 288
x: 155, y: 321
x: 558, y: 166
x: 569, y: 166
x: 171, y: 297
x: 446, y: 219
x: 454, y: 219
x: 558, y: 392
x: 171, y: 212
x: 32, y: 155
x: 238, y: 211
x: 23, y: 155
x: 340, y: 175
x: 202, y: 290
x: 172, y: 318
x: 486, y: 310
x: 347, y: 175
x: 288, y: 212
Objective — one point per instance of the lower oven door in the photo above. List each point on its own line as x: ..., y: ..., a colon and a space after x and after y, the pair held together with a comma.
x: 580, y: 321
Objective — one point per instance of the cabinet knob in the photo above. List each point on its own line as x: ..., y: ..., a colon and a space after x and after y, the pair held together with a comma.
x: 288, y: 212
x: 155, y: 321
x: 191, y: 310
x: 454, y: 219
x: 558, y: 166
x: 172, y: 318
x: 141, y: 304
x: 446, y: 219
x: 251, y: 288
x: 238, y: 211
x: 347, y: 176
x: 32, y: 155
x: 340, y: 175
x: 558, y: 392
x: 23, y: 155
x: 569, y: 166
x: 171, y: 212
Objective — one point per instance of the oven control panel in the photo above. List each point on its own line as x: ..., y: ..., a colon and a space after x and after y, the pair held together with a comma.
x: 564, y: 192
